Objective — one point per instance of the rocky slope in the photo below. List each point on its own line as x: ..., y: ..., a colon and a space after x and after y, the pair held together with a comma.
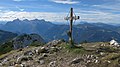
x: 21, y: 41
x: 26, y: 39
x: 59, y: 54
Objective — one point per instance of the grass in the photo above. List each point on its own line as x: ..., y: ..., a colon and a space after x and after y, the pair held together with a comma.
x: 111, y: 56
x: 76, y: 50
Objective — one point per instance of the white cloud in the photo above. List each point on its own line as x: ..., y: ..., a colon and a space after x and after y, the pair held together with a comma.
x: 90, y: 16
x: 65, y: 1
x: 113, y: 6
x: 53, y: 17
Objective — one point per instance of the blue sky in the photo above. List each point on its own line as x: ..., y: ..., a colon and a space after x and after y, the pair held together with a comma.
x: 106, y: 11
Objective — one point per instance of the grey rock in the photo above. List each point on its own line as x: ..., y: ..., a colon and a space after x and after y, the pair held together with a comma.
x: 54, y: 43
x: 28, y: 53
x: 25, y: 40
x: 41, y: 50
x: 42, y: 62
x: 53, y: 49
x: 76, y: 60
x: 52, y: 64
x: 24, y: 58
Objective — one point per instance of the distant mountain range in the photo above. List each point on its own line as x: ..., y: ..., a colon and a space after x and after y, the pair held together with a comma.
x: 91, y: 32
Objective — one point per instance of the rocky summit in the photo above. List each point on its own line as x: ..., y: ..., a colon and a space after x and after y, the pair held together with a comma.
x: 58, y: 53
x: 26, y: 39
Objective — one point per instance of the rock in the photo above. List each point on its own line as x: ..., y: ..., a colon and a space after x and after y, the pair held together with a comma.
x: 88, y: 61
x: 53, y: 49
x: 76, y: 60
x: 52, y: 64
x: 40, y: 58
x: 0, y: 64
x: 21, y: 65
x: 45, y: 55
x: 113, y: 42
x: 24, y: 58
x: 41, y: 50
x: 96, y: 61
x: 17, y: 65
x: 28, y: 53
x: 25, y: 40
x: 55, y: 43
x: 42, y: 62
x: 101, y: 53
x: 109, y: 61
x: 103, y: 45
x: 5, y: 61
x: 20, y: 49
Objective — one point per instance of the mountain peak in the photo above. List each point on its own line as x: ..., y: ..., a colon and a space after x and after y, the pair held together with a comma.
x: 26, y: 20
x: 16, y: 20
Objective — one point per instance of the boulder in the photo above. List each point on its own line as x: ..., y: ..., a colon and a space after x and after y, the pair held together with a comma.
x: 114, y: 43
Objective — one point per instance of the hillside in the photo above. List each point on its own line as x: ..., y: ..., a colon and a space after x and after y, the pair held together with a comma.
x: 21, y: 41
x: 58, y: 54
x: 6, y: 36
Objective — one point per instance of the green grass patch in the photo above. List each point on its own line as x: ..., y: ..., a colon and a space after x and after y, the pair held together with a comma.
x: 112, y: 56
x: 76, y: 50
x: 7, y: 47
x: 36, y: 44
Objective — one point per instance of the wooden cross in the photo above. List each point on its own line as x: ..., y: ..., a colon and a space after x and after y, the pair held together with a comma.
x: 71, y: 18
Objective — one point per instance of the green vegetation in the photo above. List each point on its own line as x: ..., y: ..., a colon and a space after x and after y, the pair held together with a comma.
x: 76, y: 50
x: 112, y: 56
x: 7, y: 47
x: 108, y: 49
x: 36, y: 44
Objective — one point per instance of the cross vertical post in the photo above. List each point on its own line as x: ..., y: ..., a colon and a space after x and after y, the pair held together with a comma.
x: 71, y: 18
x: 71, y: 23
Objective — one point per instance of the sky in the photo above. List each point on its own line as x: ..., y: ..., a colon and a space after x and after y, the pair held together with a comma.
x: 106, y: 11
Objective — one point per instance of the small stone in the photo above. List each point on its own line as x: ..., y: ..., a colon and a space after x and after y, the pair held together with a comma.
x: 54, y: 43
x: 41, y: 50
x: 101, y: 53
x: 42, y: 62
x: 45, y: 55
x: 21, y: 65
x: 28, y: 53
x: 52, y: 64
x: 0, y: 64
x: 109, y: 61
x: 96, y: 61
x: 88, y: 61
x: 17, y: 65
x: 76, y: 60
